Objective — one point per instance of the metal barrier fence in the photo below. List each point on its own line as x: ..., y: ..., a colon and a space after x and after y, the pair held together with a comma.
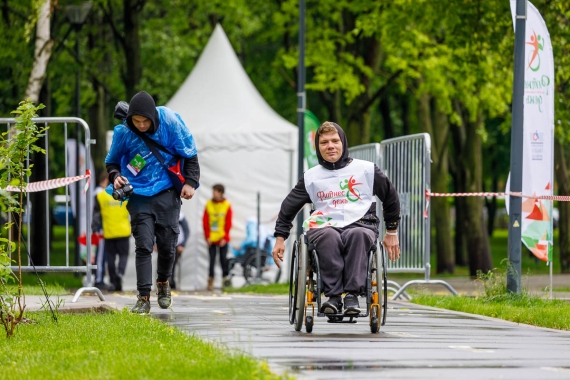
x: 51, y: 121
x: 406, y: 161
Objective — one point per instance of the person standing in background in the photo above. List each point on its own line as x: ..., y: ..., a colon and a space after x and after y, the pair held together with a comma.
x: 180, y: 244
x: 217, y: 222
x: 112, y: 217
x: 100, y: 259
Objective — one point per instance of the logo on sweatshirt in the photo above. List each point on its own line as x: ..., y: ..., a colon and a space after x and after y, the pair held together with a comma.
x: 347, y: 193
x: 349, y: 186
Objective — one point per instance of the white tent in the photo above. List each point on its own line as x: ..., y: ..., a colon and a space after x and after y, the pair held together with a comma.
x: 242, y: 143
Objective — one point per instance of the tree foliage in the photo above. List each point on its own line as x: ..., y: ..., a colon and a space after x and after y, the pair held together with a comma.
x: 370, y: 65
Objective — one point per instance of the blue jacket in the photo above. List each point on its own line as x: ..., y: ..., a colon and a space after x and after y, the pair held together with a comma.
x: 171, y: 133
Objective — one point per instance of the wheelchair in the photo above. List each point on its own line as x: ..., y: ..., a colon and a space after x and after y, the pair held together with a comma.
x: 305, y: 288
x: 248, y: 263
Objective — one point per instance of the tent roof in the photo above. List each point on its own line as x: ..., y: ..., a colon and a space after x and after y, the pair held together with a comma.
x: 223, y: 109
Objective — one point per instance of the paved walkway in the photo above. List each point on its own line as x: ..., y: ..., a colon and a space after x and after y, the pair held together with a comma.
x: 416, y: 343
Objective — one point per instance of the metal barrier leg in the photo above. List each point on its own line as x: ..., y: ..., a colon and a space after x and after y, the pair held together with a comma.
x: 428, y: 282
x: 405, y: 295
x: 88, y: 289
x: 396, y: 287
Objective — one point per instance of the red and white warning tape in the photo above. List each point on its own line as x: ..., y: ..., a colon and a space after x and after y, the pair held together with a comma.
x: 562, y: 198
x: 53, y: 183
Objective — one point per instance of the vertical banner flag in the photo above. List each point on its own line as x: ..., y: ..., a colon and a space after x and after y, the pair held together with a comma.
x: 311, y: 126
x: 538, y: 142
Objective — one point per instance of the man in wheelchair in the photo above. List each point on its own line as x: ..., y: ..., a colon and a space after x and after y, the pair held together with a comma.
x: 344, y: 226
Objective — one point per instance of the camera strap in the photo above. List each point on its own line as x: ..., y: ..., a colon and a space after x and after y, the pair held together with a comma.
x: 176, y: 178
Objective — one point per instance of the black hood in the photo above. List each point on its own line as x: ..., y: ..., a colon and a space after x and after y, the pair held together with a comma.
x: 343, y: 160
x: 142, y: 104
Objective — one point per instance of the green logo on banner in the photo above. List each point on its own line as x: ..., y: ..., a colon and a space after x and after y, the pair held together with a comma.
x: 311, y: 126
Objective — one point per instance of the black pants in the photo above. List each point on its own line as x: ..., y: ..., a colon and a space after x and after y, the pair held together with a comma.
x: 114, y: 248
x: 171, y: 278
x: 223, y: 259
x: 343, y: 256
x: 154, y: 217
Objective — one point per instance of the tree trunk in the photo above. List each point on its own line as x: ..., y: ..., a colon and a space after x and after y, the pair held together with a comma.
x: 459, y: 186
x: 491, y: 206
x: 384, y: 107
x: 478, y: 249
x: 132, y: 11
x: 561, y: 171
x: 405, y: 106
x: 439, y: 176
x: 459, y: 241
x: 44, y: 45
x: 430, y: 116
x: 98, y: 119
x: 99, y: 112
x: 38, y: 228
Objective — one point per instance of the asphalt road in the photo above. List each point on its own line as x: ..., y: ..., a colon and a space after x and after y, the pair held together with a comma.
x: 416, y: 343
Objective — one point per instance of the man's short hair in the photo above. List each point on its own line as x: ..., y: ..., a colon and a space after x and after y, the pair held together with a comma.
x: 219, y: 187
x: 326, y: 127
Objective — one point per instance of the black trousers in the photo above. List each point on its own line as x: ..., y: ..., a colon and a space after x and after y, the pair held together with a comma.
x: 114, y: 248
x: 154, y: 218
x: 223, y: 259
x: 343, y: 256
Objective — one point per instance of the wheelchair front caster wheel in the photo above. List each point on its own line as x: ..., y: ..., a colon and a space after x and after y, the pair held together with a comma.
x: 374, y: 319
x: 309, y: 324
x: 374, y: 326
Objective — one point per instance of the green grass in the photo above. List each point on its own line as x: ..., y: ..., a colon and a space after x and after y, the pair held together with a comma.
x: 497, y: 302
x: 34, y: 290
x: 117, y: 345
x: 262, y: 289
x: 64, y: 280
x: 529, y: 310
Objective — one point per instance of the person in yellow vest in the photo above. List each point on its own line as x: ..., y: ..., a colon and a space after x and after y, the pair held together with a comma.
x: 217, y: 223
x: 112, y: 216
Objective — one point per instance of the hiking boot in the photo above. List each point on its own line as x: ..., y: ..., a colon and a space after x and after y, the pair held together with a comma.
x: 142, y: 306
x: 227, y: 282
x: 210, y: 284
x: 351, y: 305
x: 163, y: 293
x: 332, y: 306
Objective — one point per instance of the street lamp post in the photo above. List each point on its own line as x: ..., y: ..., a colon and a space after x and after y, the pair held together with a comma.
x: 515, y: 203
x: 76, y: 15
x: 301, y: 104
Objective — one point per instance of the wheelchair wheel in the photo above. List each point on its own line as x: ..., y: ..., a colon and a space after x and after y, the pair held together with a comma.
x: 301, y: 284
x: 293, y: 274
x: 250, y: 270
x: 374, y: 318
x: 309, y: 324
x: 298, y: 284
x: 384, y: 293
x: 382, y: 289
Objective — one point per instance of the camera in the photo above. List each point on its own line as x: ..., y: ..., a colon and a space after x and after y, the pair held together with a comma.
x: 121, y: 110
x: 123, y: 192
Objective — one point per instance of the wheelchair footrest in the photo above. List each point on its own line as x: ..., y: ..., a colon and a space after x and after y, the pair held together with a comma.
x: 341, y: 320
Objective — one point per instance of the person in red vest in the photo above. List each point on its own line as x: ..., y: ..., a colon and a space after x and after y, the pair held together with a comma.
x: 217, y: 223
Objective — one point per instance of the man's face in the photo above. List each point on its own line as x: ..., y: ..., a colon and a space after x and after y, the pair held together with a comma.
x: 330, y: 146
x: 141, y: 123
